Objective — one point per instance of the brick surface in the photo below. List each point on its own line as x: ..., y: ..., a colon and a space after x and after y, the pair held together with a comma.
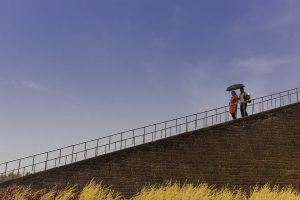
x: 259, y: 149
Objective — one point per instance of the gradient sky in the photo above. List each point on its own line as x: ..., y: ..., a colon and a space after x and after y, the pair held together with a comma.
x: 74, y: 70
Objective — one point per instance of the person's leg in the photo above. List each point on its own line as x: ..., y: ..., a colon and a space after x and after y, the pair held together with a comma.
x: 233, y: 115
x: 235, y: 111
x: 242, y: 109
x: 246, y: 114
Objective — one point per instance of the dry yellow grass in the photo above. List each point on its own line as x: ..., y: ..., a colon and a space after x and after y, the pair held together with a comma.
x: 170, y: 191
x: 66, y: 194
x: 96, y: 191
x: 268, y: 193
x: 204, y: 192
x: 176, y: 191
x: 50, y: 195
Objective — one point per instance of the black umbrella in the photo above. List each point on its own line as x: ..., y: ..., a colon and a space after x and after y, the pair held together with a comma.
x: 235, y: 87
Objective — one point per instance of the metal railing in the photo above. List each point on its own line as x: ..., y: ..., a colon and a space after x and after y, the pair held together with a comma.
x: 92, y: 148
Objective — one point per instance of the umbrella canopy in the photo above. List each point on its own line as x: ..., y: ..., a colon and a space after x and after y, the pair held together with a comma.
x: 235, y: 87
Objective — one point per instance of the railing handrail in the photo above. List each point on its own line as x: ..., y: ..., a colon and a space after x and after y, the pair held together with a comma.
x: 255, y: 102
x: 76, y: 144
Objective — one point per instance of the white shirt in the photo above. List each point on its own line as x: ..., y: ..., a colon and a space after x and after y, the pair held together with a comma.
x: 241, y: 97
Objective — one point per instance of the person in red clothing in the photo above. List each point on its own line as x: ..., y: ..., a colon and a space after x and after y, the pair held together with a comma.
x: 233, y: 104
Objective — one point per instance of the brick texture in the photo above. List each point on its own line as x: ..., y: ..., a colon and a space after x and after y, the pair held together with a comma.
x: 259, y: 149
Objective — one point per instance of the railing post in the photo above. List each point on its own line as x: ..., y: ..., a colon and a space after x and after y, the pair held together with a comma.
x: 253, y: 104
x: 133, y: 138
x: 271, y: 101
x: 59, y: 156
x: 33, y: 157
x: 262, y: 103
x: 259, y: 105
x: 109, y: 139
x: 66, y: 159
x: 297, y: 95
x: 165, y: 129
x: 75, y: 157
x: 5, y: 168
x: 206, y: 119
x: 152, y: 136
x: 179, y: 128
x: 155, y: 131
x: 216, y: 115
x: 121, y: 140
x: 144, y: 135
x: 97, y: 148
x: 186, y: 124
x: 176, y: 124
x: 23, y: 171
x: 72, y: 154
x: 85, y: 152
x: 19, y: 166
x: 280, y: 98
x: 46, y: 162
x: 196, y: 122
x: 289, y: 98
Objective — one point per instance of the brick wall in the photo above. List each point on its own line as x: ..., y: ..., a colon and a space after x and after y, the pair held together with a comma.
x: 263, y: 148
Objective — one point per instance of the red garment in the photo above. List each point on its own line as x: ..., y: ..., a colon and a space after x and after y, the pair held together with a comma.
x: 233, y: 103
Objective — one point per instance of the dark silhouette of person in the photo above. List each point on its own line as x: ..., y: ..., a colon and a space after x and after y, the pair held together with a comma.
x: 244, y: 99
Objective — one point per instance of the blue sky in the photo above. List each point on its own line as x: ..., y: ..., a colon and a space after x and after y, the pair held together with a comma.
x: 77, y: 70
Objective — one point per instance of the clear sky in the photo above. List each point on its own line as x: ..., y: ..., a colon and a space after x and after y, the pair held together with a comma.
x: 73, y: 70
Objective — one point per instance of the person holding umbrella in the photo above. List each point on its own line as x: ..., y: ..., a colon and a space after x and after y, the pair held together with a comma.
x: 233, y: 104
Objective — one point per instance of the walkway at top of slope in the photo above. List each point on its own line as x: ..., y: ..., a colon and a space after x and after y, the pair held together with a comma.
x: 100, y: 146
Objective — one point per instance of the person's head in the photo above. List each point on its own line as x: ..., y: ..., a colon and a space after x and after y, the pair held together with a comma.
x: 233, y: 93
x: 242, y: 89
